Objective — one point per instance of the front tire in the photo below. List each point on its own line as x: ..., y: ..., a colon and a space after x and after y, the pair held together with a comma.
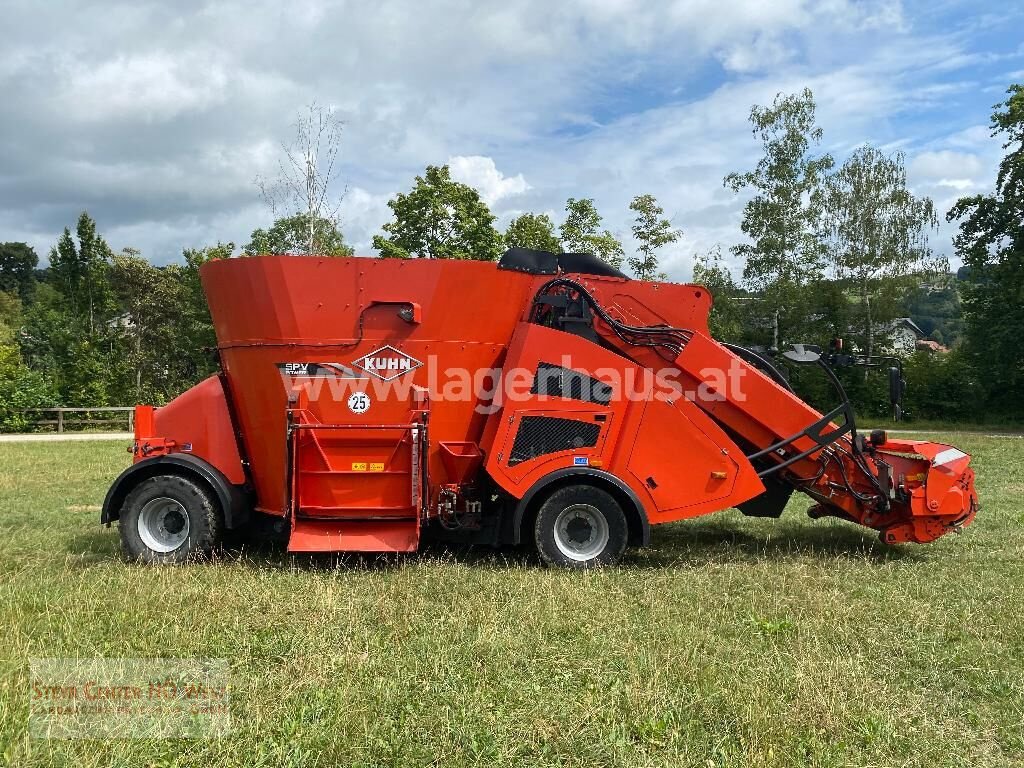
x: 169, y: 519
x: 580, y: 526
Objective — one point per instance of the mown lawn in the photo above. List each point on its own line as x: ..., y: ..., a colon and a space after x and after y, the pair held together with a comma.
x: 729, y: 642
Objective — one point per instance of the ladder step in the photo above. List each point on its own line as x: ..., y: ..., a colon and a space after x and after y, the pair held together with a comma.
x: 357, y: 512
x: 343, y: 515
x: 307, y: 535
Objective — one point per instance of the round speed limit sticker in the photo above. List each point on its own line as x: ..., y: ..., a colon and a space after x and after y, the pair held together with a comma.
x: 359, y: 402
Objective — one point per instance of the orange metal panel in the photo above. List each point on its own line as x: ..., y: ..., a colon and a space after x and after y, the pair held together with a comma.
x: 355, y: 472
x: 678, y: 464
x: 279, y: 309
x: 642, y: 437
x: 354, y: 536
x: 196, y: 422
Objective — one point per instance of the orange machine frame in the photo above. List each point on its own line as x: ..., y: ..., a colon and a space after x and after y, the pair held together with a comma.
x: 299, y: 336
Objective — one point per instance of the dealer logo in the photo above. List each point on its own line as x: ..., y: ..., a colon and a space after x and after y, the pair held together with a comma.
x: 387, y: 363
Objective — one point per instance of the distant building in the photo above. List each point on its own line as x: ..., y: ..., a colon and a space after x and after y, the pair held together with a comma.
x: 927, y: 345
x: 900, y: 337
x: 122, y: 322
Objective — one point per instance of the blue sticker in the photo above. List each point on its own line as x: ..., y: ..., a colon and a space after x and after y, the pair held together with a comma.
x: 580, y: 461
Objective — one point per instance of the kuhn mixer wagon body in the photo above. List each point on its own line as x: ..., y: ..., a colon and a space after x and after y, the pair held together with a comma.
x: 366, y: 403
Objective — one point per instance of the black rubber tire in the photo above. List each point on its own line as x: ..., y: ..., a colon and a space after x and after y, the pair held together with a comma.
x: 206, y: 522
x: 604, y: 503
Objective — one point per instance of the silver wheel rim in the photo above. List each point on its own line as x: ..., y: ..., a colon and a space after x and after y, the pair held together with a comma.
x: 581, y: 532
x: 163, y: 524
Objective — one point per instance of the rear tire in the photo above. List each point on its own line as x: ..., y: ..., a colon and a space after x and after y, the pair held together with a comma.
x: 169, y: 519
x: 580, y: 526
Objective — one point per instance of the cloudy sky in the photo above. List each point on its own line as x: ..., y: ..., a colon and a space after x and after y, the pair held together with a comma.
x: 157, y: 116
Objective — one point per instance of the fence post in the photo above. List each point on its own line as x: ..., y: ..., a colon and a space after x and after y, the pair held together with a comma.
x: 60, y: 419
x: 131, y: 420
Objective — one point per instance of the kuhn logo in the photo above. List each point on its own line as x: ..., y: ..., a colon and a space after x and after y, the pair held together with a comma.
x: 387, y: 363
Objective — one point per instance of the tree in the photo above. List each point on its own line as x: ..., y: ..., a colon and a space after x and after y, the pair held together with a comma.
x: 780, y: 218
x: 79, y: 273
x: 877, y: 233
x: 581, y: 232
x: 991, y: 243
x: 17, y: 269
x: 151, y: 346
x: 66, y: 331
x: 535, y: 231
x: 726, y: 319
x: 303, y: 194
x: 291, y: 235
x: 20, y: 387
x: 57, y: 342
x: 439, y: 219
x: 652, y: 231
x: 144, y: 303
x: 162, y: 336
x: 10, y: 311
x: 196, y: 338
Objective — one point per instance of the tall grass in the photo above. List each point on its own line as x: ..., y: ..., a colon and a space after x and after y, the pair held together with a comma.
x: 730, y: 642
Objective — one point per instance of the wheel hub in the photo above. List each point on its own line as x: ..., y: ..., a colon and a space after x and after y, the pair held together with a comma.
x: 581, y: 532
x: 163, y: 524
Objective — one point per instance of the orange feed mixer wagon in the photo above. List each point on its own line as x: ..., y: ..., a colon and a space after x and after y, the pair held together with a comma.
x: 364, y: 405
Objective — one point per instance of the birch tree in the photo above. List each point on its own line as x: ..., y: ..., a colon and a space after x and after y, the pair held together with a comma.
x: 652, y: 232
x: 877, y: 234
x: 306, y: 193
x: 784, y: 251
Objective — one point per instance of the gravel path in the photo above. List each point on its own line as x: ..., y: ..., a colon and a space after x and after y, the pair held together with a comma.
x: 67, y: 437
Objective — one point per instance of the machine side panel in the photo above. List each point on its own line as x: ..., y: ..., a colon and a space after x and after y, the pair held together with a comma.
x: 669, y: 453
x: 198, y: 422
x: 647, y: 303
x: 686, y: 471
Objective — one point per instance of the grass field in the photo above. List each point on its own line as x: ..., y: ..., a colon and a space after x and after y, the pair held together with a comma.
x: 729, y: 642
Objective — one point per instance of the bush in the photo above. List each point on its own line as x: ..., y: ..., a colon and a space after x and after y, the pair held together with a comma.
x: 20, y: 389
x: 940, y: 387
x: 943, y: 387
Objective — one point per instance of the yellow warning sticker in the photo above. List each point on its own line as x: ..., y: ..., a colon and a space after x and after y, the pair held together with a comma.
x: 377, y: 467
x: 358, y: 466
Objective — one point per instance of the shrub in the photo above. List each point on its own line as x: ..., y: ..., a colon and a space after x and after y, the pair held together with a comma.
x: 20, y: 389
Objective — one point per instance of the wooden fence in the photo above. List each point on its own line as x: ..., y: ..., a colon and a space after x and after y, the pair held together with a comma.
x: 81, y: 419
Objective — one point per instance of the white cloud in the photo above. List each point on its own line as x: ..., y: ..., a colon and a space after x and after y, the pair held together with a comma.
x: 760, y: 54
x: 483, y: 175
x: 960, y: 185
x: 944, y: 164
x: 155, y: 85
x: 362, y: 214
x: 964, y: 164
x: 157, y: 117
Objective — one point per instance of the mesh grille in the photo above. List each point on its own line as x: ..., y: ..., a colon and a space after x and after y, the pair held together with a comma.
x: 556, y: 381
x: 539, y: 435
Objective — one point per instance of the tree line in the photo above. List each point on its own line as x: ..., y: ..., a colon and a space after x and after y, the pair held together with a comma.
x: 828, y: 252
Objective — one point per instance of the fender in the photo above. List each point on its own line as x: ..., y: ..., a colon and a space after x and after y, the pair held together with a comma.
x: 233, y: 500
x: 587, y: 472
